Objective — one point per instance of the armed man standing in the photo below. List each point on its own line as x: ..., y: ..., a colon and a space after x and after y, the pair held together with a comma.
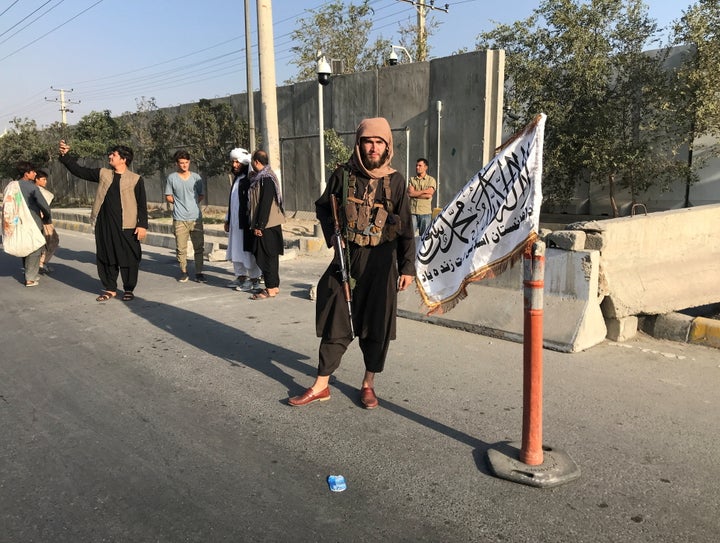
x: 380, y: 252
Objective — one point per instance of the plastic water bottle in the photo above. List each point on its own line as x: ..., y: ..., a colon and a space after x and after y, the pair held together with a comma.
x: 336, y: 483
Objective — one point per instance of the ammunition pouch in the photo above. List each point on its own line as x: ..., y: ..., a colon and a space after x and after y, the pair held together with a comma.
x: 382, y: 227
x: 370, y: 225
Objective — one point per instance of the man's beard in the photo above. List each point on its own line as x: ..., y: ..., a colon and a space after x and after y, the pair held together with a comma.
x: 374, y: 164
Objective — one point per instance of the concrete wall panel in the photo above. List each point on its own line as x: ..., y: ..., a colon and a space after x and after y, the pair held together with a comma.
x: 660, y: 262
x: 573, y: 320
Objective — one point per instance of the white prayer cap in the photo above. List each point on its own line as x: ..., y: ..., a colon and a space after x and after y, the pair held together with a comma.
x: 241, y: 155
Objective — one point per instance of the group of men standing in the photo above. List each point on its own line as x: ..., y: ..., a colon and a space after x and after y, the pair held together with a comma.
x: 365, y: 213
x: 120, y: 216
x: 253, y: 221
x: 29, y: 191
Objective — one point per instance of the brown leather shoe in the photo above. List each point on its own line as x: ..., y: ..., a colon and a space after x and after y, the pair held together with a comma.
x: 309, y: 397
x: 368, y: 398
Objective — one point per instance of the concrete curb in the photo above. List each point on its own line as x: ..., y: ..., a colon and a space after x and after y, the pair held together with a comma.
x: 160, y: 235
x: 683, y: 328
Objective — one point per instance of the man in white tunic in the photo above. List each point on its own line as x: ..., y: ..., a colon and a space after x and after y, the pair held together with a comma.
x: 237, y: 225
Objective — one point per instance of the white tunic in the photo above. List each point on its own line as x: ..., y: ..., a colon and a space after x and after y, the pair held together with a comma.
x: 243, y: 260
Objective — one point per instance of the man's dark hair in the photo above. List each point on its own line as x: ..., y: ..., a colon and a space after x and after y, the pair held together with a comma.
x: 261, y: 156
x: 181, y: 155
x: 124, y: 151
x: 423, y: 160
x: 25, y: 167
x: 39, y: 174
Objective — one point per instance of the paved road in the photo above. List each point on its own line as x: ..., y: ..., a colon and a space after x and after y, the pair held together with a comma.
x: 164, y: 420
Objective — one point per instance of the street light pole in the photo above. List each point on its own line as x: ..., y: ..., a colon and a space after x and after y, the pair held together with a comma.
x: 321, y: 126
x: 323, y: 72
x: 438, y: 105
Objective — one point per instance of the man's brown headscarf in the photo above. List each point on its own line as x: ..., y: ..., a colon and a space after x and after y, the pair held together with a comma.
x: 377, y: 127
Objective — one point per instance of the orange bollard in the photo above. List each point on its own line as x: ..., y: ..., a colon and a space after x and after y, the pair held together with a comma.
x: 536, y: 464
x: 531, y: 451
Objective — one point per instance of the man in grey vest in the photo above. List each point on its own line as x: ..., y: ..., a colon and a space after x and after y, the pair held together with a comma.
x: 119, y: 213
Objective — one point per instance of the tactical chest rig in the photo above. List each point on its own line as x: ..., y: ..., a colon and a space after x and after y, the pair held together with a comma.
x: 369, y: 220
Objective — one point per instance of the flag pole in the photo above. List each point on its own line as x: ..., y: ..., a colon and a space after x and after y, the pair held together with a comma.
x: 530, y: 462
x: 531, y: 452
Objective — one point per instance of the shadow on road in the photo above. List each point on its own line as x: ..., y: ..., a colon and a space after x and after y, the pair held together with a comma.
x: 240, y: 349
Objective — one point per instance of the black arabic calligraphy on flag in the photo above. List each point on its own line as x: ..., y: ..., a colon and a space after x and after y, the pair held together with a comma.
x: 488, y: 224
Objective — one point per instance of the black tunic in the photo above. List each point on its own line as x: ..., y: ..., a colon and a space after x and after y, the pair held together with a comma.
x: 375, y: 270
x: 114, y: 245
x: 243, y: 181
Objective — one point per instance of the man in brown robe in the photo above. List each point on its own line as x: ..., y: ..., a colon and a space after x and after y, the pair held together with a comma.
x: 381, y: 249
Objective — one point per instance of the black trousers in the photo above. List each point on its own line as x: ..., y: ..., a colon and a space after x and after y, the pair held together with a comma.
x: 269, y: 264
x: 108, y: 274
x: 332, y: 351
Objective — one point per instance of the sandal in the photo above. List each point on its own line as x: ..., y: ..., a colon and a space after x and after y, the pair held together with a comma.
x: 128, y: 296
x: 264, y: 294
x: 105, y: 296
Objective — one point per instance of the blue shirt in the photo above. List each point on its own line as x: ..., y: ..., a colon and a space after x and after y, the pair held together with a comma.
x: 185, y: 193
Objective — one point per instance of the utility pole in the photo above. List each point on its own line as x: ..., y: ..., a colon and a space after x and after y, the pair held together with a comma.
x: 422, y: 9
x: 268, y: 94
x: 248, y: 68
x: 61, y: 100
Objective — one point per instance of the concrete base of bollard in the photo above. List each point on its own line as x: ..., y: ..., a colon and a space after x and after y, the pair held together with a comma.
x: 557, y: 467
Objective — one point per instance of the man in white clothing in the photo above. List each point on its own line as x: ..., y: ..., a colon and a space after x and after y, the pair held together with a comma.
x: 237, y: 225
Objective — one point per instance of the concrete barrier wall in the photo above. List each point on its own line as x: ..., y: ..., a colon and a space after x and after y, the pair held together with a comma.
x: 659, y: 262
x: 600, y: 276
x: 573, y: 320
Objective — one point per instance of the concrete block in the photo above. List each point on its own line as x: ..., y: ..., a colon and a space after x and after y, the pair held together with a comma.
x: 672, y: 326
x: 569, y: 240
x: 660, y: 262
x: 594, y: 241
x: 313, y: 245
x: 572, y: 317
x: 622, y: 329
x: 217, y: 255
x: 705, y: 332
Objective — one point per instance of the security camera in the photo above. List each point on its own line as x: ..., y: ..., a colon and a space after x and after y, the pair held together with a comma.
x: 393, y: 58
x: 323, y: 71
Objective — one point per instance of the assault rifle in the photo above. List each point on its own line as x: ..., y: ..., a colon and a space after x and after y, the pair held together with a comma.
x: 340, y: 250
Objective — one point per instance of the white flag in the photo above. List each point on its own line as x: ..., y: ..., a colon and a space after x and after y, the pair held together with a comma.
x: 488, y: 224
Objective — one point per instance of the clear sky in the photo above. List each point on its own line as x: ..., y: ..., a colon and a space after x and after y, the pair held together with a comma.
x: 112, y: 52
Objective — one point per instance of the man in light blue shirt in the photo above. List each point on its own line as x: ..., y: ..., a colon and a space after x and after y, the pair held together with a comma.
x: 184, y: 189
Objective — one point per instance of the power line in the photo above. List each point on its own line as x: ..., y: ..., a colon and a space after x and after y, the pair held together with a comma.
x: 31, y: 22
x: 8, y: 8
x: 204, y: 69
x: 50, y: 31
x: 26, y: 17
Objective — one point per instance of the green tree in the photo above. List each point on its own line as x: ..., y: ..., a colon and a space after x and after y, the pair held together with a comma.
x: 340, y: 32
x: 697, y: 32
x: 337, y: 151
x: 208, y: 132
x: 137, y: 125
x: 582, y: 63
x: 22, y: 142
x: 164, y: 141
x: 97, y: 131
